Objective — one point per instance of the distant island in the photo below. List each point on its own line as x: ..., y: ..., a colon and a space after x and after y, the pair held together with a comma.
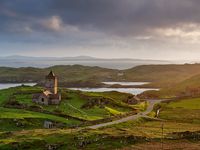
x: 41, y: 62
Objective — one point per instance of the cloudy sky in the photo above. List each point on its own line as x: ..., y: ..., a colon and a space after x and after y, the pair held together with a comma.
x: 150, y: 29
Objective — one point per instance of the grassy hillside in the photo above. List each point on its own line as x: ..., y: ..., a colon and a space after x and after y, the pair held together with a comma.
x: 76, y: 75
x: 163, y: 75
x: 186, y: 110
x: 181, y: 130
x: 178, y: 121
x: 65, y: 73
x: 81, y: 106
x: 188, y: 84
x: 18, y: 119
x: 173, y: 80
x: 187, y: 88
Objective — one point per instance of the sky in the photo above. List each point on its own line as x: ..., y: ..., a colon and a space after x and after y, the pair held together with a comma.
x: 142, y: 29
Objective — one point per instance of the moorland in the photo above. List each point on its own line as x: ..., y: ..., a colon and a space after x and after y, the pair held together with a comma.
x: 176, y: 126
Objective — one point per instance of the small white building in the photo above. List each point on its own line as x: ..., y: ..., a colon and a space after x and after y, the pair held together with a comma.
x: 48, y: 124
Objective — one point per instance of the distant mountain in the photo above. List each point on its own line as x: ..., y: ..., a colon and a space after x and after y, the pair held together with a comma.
x: 78, y: 58
x: 45, y: 58
x: 41, y: 62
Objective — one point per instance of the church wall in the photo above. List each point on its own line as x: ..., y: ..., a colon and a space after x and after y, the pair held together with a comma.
x: 43, y: 100
x: 50, y: 91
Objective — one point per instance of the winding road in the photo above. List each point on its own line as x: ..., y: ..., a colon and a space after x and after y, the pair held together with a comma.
x: 133, y: 117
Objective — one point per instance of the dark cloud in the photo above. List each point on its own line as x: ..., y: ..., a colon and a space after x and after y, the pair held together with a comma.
x: 127, y: 16
x: 139, y: 27
x: 119, y: 17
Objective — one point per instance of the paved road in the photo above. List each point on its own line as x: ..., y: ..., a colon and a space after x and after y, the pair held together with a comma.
x: 133, y: 117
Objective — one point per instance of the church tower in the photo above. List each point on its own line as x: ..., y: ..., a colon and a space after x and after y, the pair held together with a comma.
x: 51, y: 83
x: 50, y: 95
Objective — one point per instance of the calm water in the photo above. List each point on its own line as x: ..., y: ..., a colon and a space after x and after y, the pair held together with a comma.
x: 133, y: 91
x: 126, y: 83
x: 112, y: 64
x: 8, y: 85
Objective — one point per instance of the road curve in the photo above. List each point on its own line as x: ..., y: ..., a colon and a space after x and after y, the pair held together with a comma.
x: 133, y: 117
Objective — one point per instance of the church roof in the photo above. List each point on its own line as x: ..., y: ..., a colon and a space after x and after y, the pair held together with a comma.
x: 50, y: 95
x: 50, y: 75
x: 47, y: 93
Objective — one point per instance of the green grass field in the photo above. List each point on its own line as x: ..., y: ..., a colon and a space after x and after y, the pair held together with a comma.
x: 186, y: 110
x: 73, y: 105
x: 29, y: 119
x: 7, y: 113
x: 72, y: 102
x: 178, y: 116
x: 186, y: 104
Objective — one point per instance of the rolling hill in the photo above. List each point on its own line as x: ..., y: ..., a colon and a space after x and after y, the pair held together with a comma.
x: 163, y: 75
x: 75, y: 73
x: 160, y: 76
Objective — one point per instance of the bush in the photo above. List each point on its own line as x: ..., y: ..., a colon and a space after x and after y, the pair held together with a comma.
x: 35, y: 108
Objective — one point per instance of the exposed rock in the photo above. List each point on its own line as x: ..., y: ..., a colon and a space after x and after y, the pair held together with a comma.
x: 186, y: 135
x: 51, y: 146
x: 132, y: 100
x: 96, y: 101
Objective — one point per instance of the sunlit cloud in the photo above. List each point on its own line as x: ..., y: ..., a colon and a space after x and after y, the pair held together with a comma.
x: 189, y: 33
x: 143, y: 37
x: 54, y: 23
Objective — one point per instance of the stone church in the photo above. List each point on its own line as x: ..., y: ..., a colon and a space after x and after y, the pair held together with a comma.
x: 50, y: 95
